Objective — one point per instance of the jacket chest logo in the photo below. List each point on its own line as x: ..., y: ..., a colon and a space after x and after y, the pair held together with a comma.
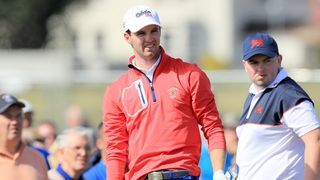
x: 259, y: 109
x: 172, y: 92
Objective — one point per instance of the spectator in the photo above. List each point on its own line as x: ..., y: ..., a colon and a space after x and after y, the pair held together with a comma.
x: 74, y: 153
x: 17, y: 161
x: 231, y: 145
x: 28, y: 114
x: 75, y: 116
x: 98, y: 171
x: 53, y: 158
x: 54, y: 149
x: 27, y: 132
x: 46, y: 134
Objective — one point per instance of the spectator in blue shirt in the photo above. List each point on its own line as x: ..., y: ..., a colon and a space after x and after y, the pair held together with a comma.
x: 231, y: 143
x: 98, y: 171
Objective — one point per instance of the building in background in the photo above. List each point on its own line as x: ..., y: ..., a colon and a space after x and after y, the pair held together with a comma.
x: 86, y: 39
x: 191, y: 29
x: 85, y: 45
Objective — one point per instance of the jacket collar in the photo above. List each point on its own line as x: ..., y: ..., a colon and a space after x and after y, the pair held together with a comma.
x: 163, y: 60
x: 281, y: 75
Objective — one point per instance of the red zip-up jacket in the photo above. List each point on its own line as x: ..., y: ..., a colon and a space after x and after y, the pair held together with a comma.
x: 153, y: 125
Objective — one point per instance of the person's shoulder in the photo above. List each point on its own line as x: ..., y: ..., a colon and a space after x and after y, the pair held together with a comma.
x: 179, y: 61
x: 290, y: 86
x: 90, y: 173
x: 183, y: 65
x: 96, y: 167
x: 44, y: 152
x: 53, y: 174
x: 291, y: 92
x: 96, y: 171
x: 33, y: 156
x: 32, y: 152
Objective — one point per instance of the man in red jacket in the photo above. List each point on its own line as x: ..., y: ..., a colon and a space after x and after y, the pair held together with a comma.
x: 151, y: 113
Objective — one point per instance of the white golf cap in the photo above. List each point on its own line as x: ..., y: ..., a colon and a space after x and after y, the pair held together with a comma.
x: 138, y: 17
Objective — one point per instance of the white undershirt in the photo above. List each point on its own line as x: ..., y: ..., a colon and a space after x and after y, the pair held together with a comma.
x: 149, y: 73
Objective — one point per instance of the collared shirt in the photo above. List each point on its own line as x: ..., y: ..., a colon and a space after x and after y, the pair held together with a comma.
x: 273, y: 119
x: 257, y: 94
x: 149, y: 73
x: 26, y: 164
x: 60, y: 174
x: 63, y: 173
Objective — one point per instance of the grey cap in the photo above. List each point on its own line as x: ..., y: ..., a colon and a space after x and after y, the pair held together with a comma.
x: 7, y: 100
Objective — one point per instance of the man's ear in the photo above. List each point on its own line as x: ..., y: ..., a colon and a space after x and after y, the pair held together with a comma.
x: 244, y: 65
x: 126, y: 36
x: 280, y: 58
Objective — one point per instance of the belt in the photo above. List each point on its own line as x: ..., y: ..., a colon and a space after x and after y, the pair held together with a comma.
x: 170, y: 174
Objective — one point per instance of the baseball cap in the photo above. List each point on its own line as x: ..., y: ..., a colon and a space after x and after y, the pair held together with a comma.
x: 259, y: 43
x: 7, y: 100
x: 27, y: 106
x: 138, y: 17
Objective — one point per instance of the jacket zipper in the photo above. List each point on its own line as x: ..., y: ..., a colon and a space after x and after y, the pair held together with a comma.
x: 141, y: 94
x: 149, y: 81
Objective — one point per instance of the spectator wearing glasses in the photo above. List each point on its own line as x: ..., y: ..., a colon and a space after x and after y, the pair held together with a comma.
x: 74, y: 152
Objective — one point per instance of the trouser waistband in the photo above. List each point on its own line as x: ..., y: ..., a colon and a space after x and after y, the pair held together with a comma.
x: 171, y: 174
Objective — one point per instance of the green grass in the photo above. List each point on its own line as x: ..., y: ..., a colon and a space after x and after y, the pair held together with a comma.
x: 50, y: 102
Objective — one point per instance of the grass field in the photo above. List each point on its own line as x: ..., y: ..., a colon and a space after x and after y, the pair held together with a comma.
x: 50, y: 102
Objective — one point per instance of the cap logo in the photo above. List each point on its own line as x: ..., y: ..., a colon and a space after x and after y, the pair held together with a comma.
x: 145, y: 12
x: 8, y: 98
x: 257, y: 43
